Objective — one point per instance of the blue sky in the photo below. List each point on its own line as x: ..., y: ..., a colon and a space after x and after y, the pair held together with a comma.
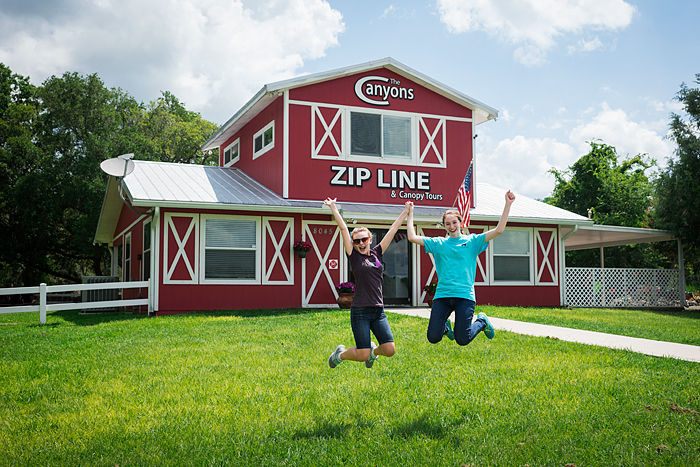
x: 560, y: 72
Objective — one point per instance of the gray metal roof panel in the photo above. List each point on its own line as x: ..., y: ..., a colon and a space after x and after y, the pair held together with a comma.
x: 152, y: 183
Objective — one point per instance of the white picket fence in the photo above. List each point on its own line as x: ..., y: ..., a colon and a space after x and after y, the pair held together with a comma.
x: 43, y: 289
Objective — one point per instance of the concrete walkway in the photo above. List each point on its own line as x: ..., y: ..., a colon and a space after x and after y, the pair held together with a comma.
x: 686, y: 352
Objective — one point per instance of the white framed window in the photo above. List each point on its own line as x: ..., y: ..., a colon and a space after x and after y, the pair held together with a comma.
x: 231, y: 153
x: 264, y: 140
x: 511, y: 258
x: 146, y: 263
x: 230, y: 250
x: 375, y: 135
x: 126, y: 270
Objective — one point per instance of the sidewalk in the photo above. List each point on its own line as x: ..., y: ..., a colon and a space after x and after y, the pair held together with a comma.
x: 686, y: 352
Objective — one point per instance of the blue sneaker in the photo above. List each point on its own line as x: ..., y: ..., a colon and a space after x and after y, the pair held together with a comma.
x: 489, y: 330
x: 448, y: 330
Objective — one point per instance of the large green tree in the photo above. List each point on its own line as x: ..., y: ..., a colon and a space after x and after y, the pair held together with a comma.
x: 53, y: 187
x: 677, y: 201
x: 19, y: 156
x: 617, y: 193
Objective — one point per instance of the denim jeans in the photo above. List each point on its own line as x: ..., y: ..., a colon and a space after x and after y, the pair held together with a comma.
x: 369, y: 318
x: 465, y: 331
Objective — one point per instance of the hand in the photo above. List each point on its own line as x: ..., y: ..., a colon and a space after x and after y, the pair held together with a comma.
x: 409, y: 205
x: 510, y: 197
x: 330, y: 202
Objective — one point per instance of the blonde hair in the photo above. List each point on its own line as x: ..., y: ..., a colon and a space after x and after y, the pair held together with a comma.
x: 360, y: 229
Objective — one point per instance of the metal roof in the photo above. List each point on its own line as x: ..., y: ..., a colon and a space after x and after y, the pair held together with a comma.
x: 167, y: 184
x: 598, y: 236
x: 270, y: 92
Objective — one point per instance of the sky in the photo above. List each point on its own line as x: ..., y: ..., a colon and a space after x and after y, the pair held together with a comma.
x: 560, y: 73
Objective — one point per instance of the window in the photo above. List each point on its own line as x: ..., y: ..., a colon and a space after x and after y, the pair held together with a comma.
x: 127, y: 258
x: 231, y: 153
x: 512, y: 257
x: 264, y: 140
x: 379, y: 135
x: 146, y: 273
x: 231, y: 252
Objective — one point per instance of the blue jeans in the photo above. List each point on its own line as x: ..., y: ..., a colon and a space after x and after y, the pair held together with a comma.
x: 364, y: 319
x: 465, y: 331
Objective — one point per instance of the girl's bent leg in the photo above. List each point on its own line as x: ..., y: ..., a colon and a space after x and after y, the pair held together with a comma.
x: 438, y: 315
x: 465, y: 331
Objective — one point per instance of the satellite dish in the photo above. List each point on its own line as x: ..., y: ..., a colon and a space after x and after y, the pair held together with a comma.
x: 119, y: 166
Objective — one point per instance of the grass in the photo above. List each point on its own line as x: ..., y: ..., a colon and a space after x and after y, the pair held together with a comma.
x: 254, y: 389
x: 682, y: 327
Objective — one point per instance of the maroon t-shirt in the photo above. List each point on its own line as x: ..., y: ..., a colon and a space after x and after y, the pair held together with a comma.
x: 369, y: 276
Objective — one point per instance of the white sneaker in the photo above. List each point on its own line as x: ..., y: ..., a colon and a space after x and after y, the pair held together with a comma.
x: 370, y: 360
x: 334, y: 360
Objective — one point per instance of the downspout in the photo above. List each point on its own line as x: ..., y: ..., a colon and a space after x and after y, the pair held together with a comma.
x: 563, y: 264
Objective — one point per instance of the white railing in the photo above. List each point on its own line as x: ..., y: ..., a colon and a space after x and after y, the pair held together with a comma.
x: 42, y: 290
x: 623, y: 288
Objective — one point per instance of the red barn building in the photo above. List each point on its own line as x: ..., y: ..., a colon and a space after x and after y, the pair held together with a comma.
x: 373, y: 136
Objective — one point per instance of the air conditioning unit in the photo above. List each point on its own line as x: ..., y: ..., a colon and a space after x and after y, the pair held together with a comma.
x: 100, y: 295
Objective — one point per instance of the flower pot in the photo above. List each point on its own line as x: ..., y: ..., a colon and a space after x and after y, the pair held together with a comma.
x: 345, y: 300
x: 301, y: 253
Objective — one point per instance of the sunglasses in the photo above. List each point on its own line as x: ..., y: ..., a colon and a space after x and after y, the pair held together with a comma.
x: 357, y: 241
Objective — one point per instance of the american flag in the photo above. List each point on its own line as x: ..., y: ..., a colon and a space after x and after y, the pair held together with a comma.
x: 464, y: 197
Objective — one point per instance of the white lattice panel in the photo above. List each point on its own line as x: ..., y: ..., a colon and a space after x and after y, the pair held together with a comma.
x: 618, y: 288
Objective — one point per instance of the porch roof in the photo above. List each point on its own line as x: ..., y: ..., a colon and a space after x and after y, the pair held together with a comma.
x: 163, y: 184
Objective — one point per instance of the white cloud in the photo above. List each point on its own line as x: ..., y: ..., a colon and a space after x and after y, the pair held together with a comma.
x: 521, y: 164
x: 504, y: 114
x: 534, y: 26
x: 212, y: 54
x: 585, y: 46
x: 614, y: 127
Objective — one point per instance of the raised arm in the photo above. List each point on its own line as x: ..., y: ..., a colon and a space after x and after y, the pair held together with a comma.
x: 491, y: 234
x: 386, y: 241
x: 347, y: 239
x: 412, y: 237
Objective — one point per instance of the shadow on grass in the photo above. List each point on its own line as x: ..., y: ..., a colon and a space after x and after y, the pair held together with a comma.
x: 423, y: 427
x: 90, y: 319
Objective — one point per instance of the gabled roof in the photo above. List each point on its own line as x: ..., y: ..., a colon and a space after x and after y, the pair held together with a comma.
x: 270, y: 92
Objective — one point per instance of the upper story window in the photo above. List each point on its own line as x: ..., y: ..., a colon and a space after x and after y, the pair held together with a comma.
x: 264, y: 140
x: 380, y: 135
x: 231, y: 155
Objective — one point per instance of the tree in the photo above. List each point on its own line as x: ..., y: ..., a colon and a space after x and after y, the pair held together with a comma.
x: 19, y: 108
x: 616, y: 193
x: 175, y: 134
x: 52, y: 141
x: 677, y: 201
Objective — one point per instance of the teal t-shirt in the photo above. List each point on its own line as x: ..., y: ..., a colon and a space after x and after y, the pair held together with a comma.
x: 455, y: 261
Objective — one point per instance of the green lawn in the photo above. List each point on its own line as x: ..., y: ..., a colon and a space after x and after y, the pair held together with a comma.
x: 254, y: 389
x: 682, y: 327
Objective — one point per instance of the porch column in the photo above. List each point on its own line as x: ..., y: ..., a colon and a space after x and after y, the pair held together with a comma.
x: 602, y: 258
x: 681, y: 272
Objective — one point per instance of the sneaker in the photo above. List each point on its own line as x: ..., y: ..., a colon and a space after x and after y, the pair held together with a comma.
x: 448, y: 330
x: 334, y: 360
x: 370, y: 360
x: 489, y: 331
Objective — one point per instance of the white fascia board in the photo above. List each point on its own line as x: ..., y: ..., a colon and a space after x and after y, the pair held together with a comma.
x: 229, y: 207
